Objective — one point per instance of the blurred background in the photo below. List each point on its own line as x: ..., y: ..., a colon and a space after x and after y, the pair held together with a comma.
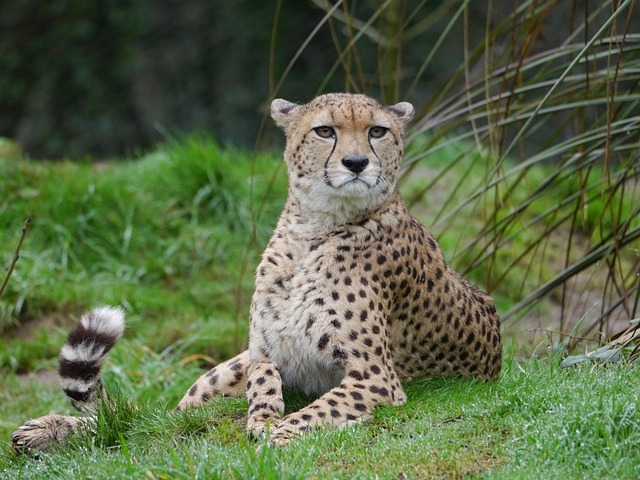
x: 99, y: 79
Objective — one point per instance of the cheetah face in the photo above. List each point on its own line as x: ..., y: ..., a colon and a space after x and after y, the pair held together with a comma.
x: 342, y: 148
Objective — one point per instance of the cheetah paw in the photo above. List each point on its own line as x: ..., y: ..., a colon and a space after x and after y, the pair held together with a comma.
x: 285, y: 434
x: 44, y: 432
x: 279, y: 440
x: 260, y: 429
x: 400, y: 398
x: 274, y: 441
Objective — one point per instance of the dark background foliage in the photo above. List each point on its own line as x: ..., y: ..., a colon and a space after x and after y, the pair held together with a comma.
x: 101, y: 78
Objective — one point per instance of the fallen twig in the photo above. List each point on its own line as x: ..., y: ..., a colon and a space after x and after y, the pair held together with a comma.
x: 16, y: 255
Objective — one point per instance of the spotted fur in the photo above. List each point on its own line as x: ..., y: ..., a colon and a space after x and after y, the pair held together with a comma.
x: 352, y: 294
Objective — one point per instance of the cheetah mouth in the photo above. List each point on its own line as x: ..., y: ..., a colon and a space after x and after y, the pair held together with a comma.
x: 357, y: 179
x: 353, y: 182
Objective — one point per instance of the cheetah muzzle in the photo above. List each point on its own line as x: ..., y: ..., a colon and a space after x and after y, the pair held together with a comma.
x: 352, y: 294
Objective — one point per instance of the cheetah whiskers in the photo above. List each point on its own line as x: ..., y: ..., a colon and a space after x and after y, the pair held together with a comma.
x: 386, y: 184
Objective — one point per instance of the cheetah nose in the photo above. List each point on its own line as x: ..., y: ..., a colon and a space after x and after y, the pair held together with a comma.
x: 355, y: 164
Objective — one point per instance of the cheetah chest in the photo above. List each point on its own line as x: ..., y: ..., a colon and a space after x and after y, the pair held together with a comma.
x: 294, y: 318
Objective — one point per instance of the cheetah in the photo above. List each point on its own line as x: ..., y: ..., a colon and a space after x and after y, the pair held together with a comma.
x: 352, y: 295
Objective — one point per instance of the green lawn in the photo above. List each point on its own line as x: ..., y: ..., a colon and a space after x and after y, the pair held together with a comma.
x: 174, y: 237
x: 537, y: 421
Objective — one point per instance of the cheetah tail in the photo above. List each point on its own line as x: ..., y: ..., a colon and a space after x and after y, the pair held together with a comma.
x: 85, y: 351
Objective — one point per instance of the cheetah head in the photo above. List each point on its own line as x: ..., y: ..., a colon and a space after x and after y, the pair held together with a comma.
x: 343, y: 150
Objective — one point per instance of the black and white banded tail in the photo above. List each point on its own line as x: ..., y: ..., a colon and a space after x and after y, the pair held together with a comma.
x: 85, y: 351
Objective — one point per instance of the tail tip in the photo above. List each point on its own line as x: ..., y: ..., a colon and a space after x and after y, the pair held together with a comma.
x: 105, y: 319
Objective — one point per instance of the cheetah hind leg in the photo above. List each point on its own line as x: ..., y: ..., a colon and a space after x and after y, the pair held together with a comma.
x: 43, y: 433
x: 228, y: 379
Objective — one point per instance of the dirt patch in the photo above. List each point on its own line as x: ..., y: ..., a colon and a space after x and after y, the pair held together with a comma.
x: 27, y: 329
x: 45, y: 378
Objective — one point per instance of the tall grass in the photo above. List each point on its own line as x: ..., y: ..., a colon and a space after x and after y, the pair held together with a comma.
x: 539, y: 83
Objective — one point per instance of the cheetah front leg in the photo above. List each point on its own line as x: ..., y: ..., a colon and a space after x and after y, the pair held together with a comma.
x: 228, y: 379
x: 264, y: 393
x: 350, y: 402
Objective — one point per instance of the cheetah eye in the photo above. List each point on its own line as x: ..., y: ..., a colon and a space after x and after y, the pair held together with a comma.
x: 325, y: 132
x: 377, y: 132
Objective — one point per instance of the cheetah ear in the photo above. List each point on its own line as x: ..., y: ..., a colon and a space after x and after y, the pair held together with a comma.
x: 281, y: 112
x: 403, y: 112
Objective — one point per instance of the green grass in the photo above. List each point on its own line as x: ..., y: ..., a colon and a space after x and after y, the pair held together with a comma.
x: 174, y: 237
x: 536, y: 421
